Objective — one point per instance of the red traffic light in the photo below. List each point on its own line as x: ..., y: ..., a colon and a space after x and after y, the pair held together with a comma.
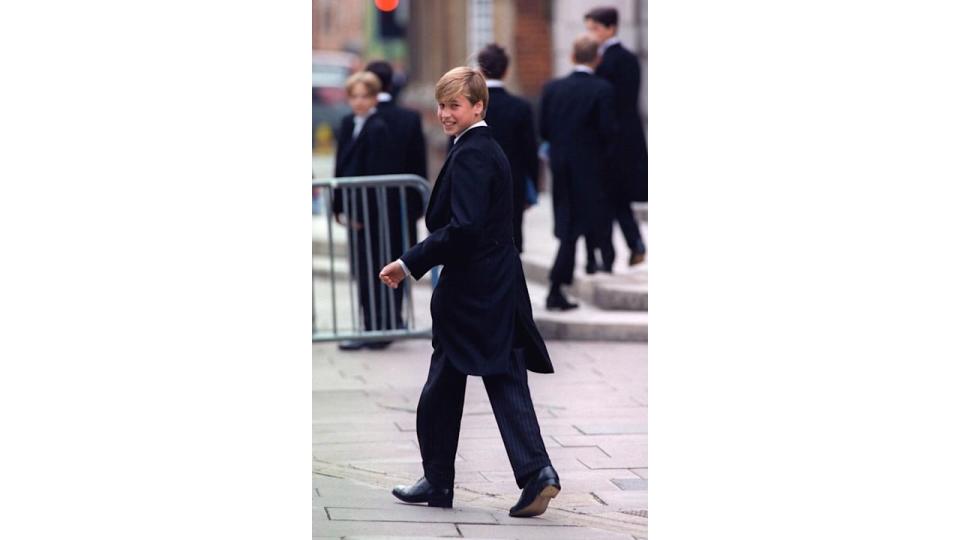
x: 387, y: 5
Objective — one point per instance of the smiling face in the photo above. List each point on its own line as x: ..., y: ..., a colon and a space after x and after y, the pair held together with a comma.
x: 457, y: 114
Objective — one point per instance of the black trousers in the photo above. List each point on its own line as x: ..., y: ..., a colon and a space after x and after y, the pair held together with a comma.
x: 619, y: 210
x: 441, y: 407
x: 377, y: 310
x: 600, y: 237
x: 588, y: 225
x: 616, y: 209
x: 562, y: 270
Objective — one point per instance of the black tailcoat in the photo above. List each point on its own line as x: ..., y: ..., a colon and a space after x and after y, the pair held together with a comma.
x: 371, y: 153
x: 576, y: 118
x: 480, y: 306
x: 410, y: 151
x: 629, y: 172
x: 511, y: 120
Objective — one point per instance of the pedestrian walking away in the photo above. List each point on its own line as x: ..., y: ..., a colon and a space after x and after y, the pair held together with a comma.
x: 577, y: 120
x: 482, y: 319
x: 628, y: 174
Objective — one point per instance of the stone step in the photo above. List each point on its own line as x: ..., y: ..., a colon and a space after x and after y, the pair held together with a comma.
x: 587, y: 322
x: 640, y: 210
x: 624, y: 290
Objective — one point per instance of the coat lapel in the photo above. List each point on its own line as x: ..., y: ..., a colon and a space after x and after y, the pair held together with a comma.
x: 440, y: 177
x: 456, y: 148
x: 353, y: 143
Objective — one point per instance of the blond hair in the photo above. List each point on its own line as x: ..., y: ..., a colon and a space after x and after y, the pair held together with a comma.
x: 466, y: 82
x: 369, y: 81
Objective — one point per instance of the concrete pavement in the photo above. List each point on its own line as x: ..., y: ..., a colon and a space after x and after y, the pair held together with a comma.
x: 592, y: 413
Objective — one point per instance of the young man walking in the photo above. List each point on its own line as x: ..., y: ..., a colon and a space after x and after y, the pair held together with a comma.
x: 576, y: 118
x: 628, y: 176
x: 482, y: 320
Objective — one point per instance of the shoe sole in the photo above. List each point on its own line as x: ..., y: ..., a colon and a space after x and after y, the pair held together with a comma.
x: 539, y: 505
x: 436, y: 503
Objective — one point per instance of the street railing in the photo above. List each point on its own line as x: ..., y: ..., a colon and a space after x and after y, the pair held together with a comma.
x: 373, y: 211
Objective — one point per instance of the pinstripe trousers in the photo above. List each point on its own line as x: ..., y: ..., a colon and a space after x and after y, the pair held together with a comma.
x: 441, y: 408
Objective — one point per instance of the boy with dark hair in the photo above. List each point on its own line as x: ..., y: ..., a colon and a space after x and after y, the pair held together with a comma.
x: 511, y: 121
x: 628, y: 178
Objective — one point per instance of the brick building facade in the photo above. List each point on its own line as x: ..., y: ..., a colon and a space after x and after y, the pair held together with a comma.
x: 340, y: 25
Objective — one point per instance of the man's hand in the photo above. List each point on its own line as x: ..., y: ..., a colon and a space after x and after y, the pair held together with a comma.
x: 356, y: 225
x: 392, y: 274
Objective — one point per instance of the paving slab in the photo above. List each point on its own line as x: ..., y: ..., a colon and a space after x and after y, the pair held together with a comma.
x: 365, y: 537
x: 388, y: 528
x: 630, y: 484
x: 521, y: 532
x: 587, y: 322
x: 364, y: 430
x: 411, y: 512
x: 618, y: 462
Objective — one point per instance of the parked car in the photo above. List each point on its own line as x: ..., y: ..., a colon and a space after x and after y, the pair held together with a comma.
x: 330, y: 72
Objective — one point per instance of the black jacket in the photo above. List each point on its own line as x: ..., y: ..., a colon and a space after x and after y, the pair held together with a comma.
x: 409, y: 148
x: 369, y: 154
x: 511, y: 120
x: 576, y: 118
x: 480, y: 307
x: 629, y: 171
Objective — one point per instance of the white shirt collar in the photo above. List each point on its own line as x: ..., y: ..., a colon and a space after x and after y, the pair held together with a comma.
x: 582, y: 68
x: 608, y: 43
x: 370, y: 113
x: 358, y: 121
x: 383, y: 97
x: 494, y: 83
x: 481, y: 123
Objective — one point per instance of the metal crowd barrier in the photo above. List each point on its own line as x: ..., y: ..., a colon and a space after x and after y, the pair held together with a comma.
x: 371, y: 208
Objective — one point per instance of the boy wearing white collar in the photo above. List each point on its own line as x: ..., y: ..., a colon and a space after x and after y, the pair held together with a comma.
x: 482, y: 319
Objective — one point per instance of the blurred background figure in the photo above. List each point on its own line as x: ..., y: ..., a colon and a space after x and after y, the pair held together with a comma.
x: 577, y: 119
x: 628, y: 175
x: 511, y: 120
x: 364, y: 148
x: 409, y: 157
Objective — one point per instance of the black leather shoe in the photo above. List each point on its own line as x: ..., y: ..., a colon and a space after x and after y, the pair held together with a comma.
x: 536, y: 495
x: 637, y: 257
x: 377, y: 345
x: 422, y: 491
x: 557, y: 302
x: 350, y: 345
